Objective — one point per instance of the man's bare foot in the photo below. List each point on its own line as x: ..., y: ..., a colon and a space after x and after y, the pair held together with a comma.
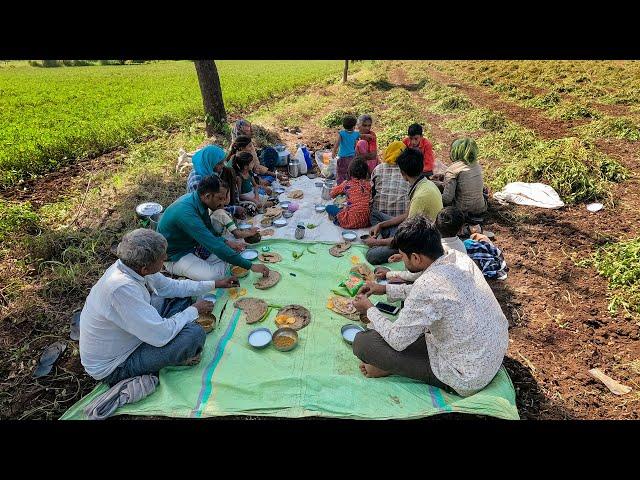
x: 370, y: 371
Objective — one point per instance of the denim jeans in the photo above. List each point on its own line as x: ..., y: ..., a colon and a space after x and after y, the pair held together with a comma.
x: 379, y: 255
x: 147, y: 359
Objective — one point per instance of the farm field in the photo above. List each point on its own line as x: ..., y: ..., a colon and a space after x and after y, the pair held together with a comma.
x: 572, y: 297
x: 52, y: 115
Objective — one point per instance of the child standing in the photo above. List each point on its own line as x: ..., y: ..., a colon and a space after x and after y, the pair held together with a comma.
x: 345, y: 147
x: 355, y: 213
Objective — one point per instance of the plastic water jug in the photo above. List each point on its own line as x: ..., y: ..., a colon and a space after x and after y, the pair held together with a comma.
x: 301, y: 158
x: 307, y: 157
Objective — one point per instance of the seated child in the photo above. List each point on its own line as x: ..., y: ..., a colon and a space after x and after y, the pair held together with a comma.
x: 221, y: 220
x: 355, y: 213
x: 448, y: 222
x: 264, y: 176
x: 246, y: 183
x: 345, y: 147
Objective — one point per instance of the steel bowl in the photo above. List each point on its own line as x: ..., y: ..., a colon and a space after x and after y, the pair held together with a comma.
x: 287, y: 214
x: 279, y: 223
x: 349, y: 331
x: 349, y: 236
x: 260, y: 337
x: 249, y: 254
x: 320, y: 208
x: 312, y: 175
x: 284, y: 205
x: 278, y: 190
x: 285, y: 332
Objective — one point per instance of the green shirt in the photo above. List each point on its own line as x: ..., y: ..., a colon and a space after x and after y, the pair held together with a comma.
x: 426, y: 200
x: 186, y: 224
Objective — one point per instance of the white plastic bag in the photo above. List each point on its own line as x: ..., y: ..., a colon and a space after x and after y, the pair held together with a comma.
x: 534, y: 194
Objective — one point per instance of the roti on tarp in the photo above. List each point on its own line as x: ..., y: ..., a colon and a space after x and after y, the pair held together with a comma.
x: 270, y: 257
x: 253, y: 308
x: 267, y: 282
x: 339, y: 249
x: 301, y: 315
x: 343, y: 306
x: 364, y: 271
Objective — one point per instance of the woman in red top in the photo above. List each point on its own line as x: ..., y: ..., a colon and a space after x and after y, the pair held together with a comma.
x: 355, y: 213
x: 416, y: 140
x: 367, y: 146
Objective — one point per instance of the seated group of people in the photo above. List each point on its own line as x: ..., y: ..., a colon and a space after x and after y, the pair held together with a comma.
x: 451, y: 331
x: 385, y: 194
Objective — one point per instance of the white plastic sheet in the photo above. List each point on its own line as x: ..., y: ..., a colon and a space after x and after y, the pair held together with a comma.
x: 533, y: 194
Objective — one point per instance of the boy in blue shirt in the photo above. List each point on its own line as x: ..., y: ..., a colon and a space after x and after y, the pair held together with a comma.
x: 345, y: 147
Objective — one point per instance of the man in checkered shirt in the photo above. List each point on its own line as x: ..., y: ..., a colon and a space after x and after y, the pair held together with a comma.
x: 390, y: 191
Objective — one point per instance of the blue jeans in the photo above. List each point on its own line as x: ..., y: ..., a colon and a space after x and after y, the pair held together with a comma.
x: 379, y: 255
x: 147, y: 359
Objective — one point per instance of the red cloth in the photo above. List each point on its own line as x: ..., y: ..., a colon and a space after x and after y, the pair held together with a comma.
x: 427, y: 152
x: 355, y: 213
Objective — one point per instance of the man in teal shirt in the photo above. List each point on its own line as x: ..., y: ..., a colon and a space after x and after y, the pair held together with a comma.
x: 186, y: 225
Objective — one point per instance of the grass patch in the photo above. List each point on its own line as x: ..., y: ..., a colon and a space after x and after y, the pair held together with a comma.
x: 574, y: 168
x: 620, y: 264
x: 451, y: 104
x: 478, y: 119
x: 334, y: 119
x: 16, y: 217
x: 572, y: 111
x: 51, y: 115
x: 611, y: 127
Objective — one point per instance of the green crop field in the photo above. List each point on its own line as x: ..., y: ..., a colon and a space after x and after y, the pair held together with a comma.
x: 50, y: 115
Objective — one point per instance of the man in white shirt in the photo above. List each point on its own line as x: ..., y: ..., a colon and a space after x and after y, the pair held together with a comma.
x: 451, y: 332
x: 132, y: 323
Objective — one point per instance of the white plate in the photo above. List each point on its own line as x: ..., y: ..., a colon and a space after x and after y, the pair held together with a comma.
x: 281, y: 222
x: 279, y: 190
x: 148, y: 209
x: 249, y: 254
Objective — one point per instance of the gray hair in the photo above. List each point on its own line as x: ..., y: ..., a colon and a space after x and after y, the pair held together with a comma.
x: 141, y: 247
x: 364, y: 118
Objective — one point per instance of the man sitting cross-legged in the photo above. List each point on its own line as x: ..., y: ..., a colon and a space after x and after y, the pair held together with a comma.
x: 451, y: 332
x: 135, y: 320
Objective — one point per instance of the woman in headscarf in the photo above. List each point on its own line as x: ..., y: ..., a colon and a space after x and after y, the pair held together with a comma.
x: 210, y: 160
x: 390, y: 192
x: 367, y: 146
x: 463, y: 184
x: 206, y: 161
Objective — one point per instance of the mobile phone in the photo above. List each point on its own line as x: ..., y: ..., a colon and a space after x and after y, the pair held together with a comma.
x: 386, y: 308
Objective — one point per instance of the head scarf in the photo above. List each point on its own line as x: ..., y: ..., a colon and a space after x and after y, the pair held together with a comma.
x: 238, y: 128
x: 392, y: 152
x: 205, y: 160
x: 464, y: 150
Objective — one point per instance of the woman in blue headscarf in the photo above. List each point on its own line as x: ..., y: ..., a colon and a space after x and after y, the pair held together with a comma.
x: 206, y: 161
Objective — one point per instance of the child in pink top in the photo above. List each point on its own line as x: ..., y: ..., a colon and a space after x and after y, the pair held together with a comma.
x: 367, y: 146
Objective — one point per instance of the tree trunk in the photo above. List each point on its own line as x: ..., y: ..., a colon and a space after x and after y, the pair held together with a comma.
x: 346, y: 69
x: 214, y: 113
